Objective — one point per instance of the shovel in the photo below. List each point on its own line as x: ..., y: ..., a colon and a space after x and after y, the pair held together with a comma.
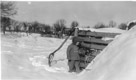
x: 51, y: 55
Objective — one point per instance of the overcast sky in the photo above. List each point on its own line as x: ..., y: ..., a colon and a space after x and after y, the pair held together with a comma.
x: 86, y: 13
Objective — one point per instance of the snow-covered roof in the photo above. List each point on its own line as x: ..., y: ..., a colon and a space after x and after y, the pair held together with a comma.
x: 108, y: 30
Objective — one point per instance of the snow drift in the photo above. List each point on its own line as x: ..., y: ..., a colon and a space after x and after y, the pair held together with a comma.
x: 116, y: 62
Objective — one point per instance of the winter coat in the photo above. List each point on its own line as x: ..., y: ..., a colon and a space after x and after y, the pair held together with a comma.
x: 72, y: 52
x: 82, y: 52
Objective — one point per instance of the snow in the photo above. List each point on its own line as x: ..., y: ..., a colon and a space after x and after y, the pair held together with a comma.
x: 108, y: 30
x: 26, y: 58
x: 116, y: 62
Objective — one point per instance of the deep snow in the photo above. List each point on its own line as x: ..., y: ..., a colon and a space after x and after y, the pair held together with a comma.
x: 26, y: 58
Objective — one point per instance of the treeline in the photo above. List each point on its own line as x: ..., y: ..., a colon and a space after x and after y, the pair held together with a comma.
x: 9, y: 9
x: 112, y: 24
x: 59, y: 28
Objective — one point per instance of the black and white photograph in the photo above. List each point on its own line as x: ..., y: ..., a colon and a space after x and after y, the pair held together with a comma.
x: 68, y: 40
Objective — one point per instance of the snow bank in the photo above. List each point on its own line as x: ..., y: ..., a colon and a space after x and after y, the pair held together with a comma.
x: 116, y: 62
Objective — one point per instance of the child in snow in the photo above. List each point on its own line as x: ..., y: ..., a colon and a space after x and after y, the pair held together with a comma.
x: 73, y: 57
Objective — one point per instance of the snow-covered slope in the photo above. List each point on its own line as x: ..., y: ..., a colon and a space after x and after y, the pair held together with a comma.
x: 116, y: 62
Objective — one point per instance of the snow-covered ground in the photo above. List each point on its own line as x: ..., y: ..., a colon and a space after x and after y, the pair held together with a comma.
x: 26, y: 58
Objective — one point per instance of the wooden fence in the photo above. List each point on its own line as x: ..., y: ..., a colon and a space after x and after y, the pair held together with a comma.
x: 94, y: 40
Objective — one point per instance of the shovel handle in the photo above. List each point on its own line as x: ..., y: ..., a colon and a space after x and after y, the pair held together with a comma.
x: 51, y: 55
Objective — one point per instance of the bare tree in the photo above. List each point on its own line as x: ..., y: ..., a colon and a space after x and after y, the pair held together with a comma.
x: 35, y: 26
x: 112, y: 24
x: 7, y: 10
x: 123, y: 26
x: 59, y: 27
x: 5, y: 22
x: 100, y: 25
x: 47, y: 29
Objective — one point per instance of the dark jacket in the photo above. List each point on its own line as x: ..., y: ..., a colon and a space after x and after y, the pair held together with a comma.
x: 72, y: 52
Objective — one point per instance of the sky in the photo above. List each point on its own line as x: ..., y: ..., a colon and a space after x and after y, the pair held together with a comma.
x: 86, y: 13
